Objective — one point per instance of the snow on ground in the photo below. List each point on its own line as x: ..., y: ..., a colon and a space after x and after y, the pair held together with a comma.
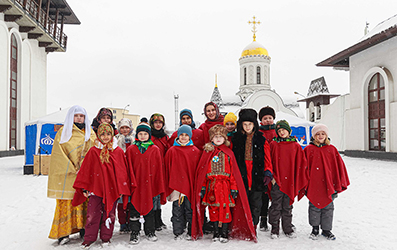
x: 365, y: 215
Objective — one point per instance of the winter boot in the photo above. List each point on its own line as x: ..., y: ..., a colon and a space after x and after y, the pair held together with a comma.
x: 224, y: 233
x: 63, y: 240
x: 134, y: 238
x: 216, y: 231
x: 314, y: 233
x: 87, y: 244
x: 208, y: 227
x: 151, y: 236
x: 327, y: 234
x: 124, y: 229
x: 263, y: 224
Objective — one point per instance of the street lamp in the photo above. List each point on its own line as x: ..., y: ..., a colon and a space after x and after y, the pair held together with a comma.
x: 124, y: 109
x: 297, y: 93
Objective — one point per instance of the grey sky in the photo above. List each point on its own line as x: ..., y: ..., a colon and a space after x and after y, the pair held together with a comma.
x: 142, y: 52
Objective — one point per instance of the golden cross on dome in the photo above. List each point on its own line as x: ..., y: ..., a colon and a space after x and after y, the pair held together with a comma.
x: 254, y: 23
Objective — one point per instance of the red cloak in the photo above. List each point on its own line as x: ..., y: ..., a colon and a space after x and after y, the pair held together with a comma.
x: 180, y: 164
x: 162, y: 143
x: 327, y: 173
x: 289, y: 168
x: 209, y: 124
x: 268, y: 134
x: 148, y: 169
x: 106, y: 180
x: 197, y: 138
x: 241, y: 226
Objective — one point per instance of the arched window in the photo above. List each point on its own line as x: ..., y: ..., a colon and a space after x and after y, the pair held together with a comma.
x: 258, y: 75
x: 13, y: 92
x: 318, y: 111
x: 245, y: 76
x: 376, y: 113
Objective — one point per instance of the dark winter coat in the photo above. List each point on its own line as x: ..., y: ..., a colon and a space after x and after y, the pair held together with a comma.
x: 258, y: 155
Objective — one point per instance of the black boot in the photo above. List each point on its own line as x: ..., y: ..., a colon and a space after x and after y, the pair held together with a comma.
x: 216, y: 231
x: 263, y: 224
x: 224, y: 233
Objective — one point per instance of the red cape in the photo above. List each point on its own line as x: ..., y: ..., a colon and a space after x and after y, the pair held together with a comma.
x: 107, y: 180
x: 327, y: 173
x: 209, y: 124
x: 269, y: 134
x: 180, y: 164
x: 162, y: 143
x: 241, y: 226
x: 148, y: 169
x: 197, y: 138
x: 289, y: 168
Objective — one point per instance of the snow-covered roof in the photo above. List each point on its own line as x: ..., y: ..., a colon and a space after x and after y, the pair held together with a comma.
x: 391, y: 22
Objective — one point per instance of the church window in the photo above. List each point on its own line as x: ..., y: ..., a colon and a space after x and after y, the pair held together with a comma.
x: 376, y: 113
x: 258, y: 75
x: 13, y: 92
x: 245, y: 76
x: 318, y: 111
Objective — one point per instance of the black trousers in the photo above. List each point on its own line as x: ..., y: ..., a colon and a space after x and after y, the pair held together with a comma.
x: 265, y: 204
x: 255, y: 202
x: 181, y: 215
x: 135, y: 225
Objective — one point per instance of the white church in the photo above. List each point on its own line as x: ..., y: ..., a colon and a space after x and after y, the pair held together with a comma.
x: 363, y: 123
x: 29, y: 30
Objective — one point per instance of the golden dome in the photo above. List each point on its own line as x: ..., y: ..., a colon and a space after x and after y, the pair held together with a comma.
x: 254, y: 48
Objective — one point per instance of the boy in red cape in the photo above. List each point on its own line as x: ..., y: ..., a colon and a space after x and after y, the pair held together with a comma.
x: 328, y: 177
x: 214, y: 117
x: 181, y: 162
x: 146, y: 162
x: 290, y: 179
x: 218, y: 180
x: 104, y: 175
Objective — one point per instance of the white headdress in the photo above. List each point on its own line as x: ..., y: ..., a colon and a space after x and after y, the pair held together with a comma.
x: 69, y: 121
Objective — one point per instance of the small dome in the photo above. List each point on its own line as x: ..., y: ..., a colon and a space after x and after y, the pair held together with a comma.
x: 254, y: 48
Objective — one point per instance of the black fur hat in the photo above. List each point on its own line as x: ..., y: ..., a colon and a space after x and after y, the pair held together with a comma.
x: 267, y: 111
x: 247, y: 115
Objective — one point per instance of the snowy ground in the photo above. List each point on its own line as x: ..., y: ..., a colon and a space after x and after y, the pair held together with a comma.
x: 365, y: 215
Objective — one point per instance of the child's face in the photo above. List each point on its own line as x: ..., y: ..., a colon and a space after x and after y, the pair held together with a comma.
x: 186, y: 120
x: 218, y: 140
x: 283, y: 133
x: 248, y: 127
x: 106, y: 119
x: 230, y: 126
x: 320, y: 136
x: 157, y: 125
x: 143, y: 136
x: 210, y: 112
x: 79, y: 118
x: 106, y: 137
x: 267, y: 120
x: 125, y: 130
x: 184, y: 138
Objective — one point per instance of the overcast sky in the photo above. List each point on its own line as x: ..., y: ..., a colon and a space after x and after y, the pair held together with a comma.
x: 141, y: 53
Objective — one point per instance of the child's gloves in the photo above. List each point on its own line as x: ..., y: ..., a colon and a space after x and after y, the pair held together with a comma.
x: 268, y: 177
x: 202, y: 192
x: 234, y: 193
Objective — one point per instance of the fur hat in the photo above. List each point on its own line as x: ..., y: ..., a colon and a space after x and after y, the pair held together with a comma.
x: 125, y: 122
x: 103, y: 112
x: 143, y: 126
x: 216, y: 130
x: 283, y: 124
x: 319, y: 127
x: 230, y: 117
x: 185, y: 129
x: 267, y: 111
x: 247, y: 115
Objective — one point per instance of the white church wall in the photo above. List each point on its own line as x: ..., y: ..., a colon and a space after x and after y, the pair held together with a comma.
x: 354, y: 139
x: 25, y: 89
x: 393, y: 127
x: 4, y: 86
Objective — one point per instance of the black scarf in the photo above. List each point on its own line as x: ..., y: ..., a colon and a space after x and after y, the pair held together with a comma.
x: 158, y: 133
x: 267, y: 127
x: 80, y: 125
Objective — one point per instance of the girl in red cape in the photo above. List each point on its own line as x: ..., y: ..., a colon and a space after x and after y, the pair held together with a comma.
x: 146, y: 162
x: 181, y: 162
x: 218, y: 180
x: 328, y: 177
x: 103, y: 177
x: 290, y: 179
x: 214, y: 117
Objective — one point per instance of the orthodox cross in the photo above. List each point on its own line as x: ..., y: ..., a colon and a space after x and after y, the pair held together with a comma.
x: 254, y: 23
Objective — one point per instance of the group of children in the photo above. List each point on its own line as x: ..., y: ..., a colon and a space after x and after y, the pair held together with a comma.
x: 225, y: 171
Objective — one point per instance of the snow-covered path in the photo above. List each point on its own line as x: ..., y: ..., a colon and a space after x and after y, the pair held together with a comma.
x: 365, y: 215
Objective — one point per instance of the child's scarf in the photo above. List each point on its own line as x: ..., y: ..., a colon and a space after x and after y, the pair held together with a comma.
x: 105, y: 128
x: 143, y: 145
x: 267, y: 127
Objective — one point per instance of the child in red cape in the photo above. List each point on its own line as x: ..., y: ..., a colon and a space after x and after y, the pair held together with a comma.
x: 328, y: 177
x: 214, y: 117
x: 160, y: 139
x: 290, y: 179
x: 266, y: 117
x: 104, y: 176
x: 181, y: 162
x: 230, y: 122
x: 219, y: 185
x: 145, y: 161
x: 186, y: 118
